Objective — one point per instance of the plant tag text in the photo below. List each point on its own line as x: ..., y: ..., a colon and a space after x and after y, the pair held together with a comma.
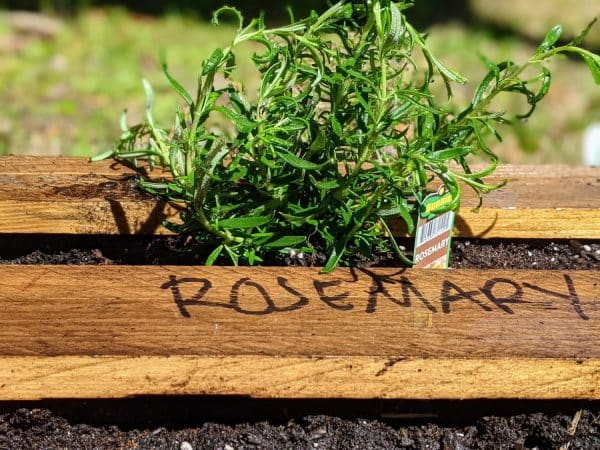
x: 434, y: 232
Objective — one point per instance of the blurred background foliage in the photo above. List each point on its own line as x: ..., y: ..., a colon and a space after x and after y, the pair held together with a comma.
x: 68, y: 67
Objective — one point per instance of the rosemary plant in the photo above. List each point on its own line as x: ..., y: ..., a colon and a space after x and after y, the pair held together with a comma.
x: 343, y: 136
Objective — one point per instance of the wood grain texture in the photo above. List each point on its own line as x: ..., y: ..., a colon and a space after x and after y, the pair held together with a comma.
x: 111, y: 331
x: 34, y: 378
x: 177, y: 310
x: 70, y: 195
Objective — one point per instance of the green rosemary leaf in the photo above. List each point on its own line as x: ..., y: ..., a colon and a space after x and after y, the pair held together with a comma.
x: 244, y: 222
x: 336, y: 126
x: 228, y: 9
x: 546, y: 82
x: 396, y: 27
x: 452, y: 153
x: 286, y: 241
x: 334, y: 259
x: 243, y: 124
x: 177, y: 86
x: 149, y: 101
x: 212, y: 63
x: 214, y: 255
x: 104, y: 155
x: 579, y: 39
x: 594, y: 65
x: 297, y: 162
x: 551, y: 38
x: 483, y: 87
x: 123, y: 122
x: 235, y: 258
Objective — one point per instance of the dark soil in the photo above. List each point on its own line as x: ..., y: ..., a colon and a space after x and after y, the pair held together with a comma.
x: 40, y: 428
x: 136, y: 250
x: 526, y: 255
x: 228, y: 424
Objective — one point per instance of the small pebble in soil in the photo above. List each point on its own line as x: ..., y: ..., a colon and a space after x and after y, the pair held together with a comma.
x: 525, y: 255
x: 186, y: 446
x: 318, y: 434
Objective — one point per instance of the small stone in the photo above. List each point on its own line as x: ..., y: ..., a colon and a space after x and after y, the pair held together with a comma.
x: 450, y: 442
x: 406, y: 442
x: 253, y: 439
x: 157, y: 431
x: 529, y: 254
x: 228, y: 447
x: 318, y: 433
x: 185, y: 445
x: 587, y: 248
x: 552, y: 259
x: 555, y: 248
x: 575, y: 245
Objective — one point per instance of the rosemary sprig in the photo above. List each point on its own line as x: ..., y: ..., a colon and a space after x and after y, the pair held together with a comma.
x: 343, y: 136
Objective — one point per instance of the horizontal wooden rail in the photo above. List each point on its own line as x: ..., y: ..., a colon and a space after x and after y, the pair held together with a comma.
x: 71, y: 195
x: 113, y: 331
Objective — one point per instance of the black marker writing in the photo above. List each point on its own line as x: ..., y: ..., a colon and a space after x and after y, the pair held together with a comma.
x: 501, y: 302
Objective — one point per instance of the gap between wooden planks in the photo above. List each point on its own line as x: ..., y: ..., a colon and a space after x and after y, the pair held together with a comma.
x: 71, y: 195
x: 114, y: 331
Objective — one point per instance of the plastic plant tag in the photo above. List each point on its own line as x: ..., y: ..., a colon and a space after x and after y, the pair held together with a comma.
x: 434, y: 232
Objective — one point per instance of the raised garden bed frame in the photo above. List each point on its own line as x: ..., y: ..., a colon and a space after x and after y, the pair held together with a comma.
x: 120, y: 331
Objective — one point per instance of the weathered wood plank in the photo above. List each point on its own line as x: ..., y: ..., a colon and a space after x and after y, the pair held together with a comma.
x: 70, y: 195
x: 177, y: 310
x: 96, y: 216
x: 291, y: 332
x: 74, y: 196
x: 35, y: 378
x: 65, y: 165
x: 58, y: 166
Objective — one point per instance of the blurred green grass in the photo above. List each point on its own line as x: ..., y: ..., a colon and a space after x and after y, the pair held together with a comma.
x: 64, y: 94
x: 533, y: 19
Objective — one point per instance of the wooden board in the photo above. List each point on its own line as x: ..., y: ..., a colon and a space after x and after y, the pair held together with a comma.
x: 35, y: 378
x: 70, y: 195
x: 113, y: 331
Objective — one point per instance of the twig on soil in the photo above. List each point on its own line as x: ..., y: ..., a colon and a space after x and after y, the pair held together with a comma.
x: 572, y: 429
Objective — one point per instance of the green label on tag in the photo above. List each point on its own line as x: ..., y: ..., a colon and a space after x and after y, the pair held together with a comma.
x: 434, y: 232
